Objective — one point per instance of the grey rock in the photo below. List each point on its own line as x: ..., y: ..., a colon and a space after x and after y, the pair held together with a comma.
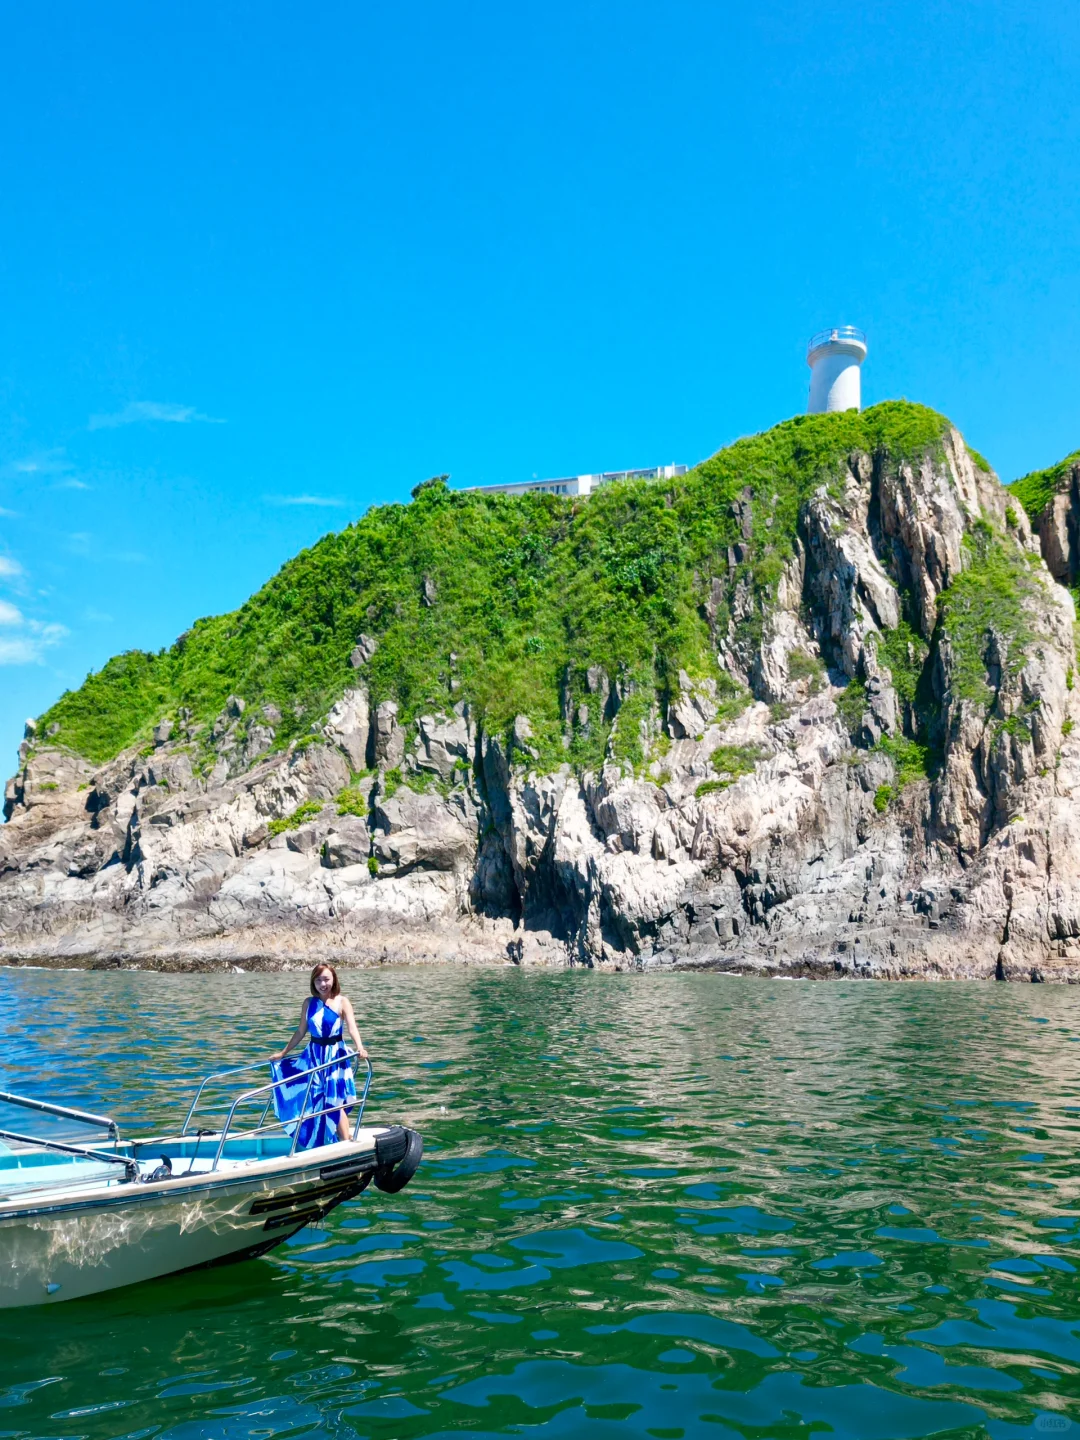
x: 388, y: 739
x: 421, y: 830
x: 364, y: 649
x: 693, y: 709
x: 308, y: 839
x: 258, y: 740
x: 348, y: 843
x: 349, y: 726
x: 521, y: 735
x: 444, y: 744
x: 597, y: 683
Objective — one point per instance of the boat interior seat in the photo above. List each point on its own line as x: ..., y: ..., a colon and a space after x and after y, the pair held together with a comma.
x: 237, y: 1147
x: 18, y: 1168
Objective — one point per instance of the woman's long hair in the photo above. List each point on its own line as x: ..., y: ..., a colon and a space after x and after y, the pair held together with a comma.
x: 323, y: 966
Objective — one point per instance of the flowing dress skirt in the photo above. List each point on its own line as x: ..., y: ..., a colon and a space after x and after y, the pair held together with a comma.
x: 332, y: 1089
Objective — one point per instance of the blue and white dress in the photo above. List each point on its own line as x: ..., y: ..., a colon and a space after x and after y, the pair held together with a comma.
x: 332, y: 1089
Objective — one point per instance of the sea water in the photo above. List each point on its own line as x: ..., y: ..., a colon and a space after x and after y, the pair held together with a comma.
x: 668, y: 1206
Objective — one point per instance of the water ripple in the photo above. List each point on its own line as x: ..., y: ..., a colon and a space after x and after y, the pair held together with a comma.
x: 672, y: 1206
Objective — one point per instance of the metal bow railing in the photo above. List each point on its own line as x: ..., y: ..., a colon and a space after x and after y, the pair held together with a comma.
x: 84, y: 1117
x: 68, y: 1147
x: 268, y: 1091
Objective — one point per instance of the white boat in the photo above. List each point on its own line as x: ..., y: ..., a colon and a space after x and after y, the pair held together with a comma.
x: 77, y: 1219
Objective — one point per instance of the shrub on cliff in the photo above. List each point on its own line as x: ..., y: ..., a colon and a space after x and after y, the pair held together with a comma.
x: 503, y: 601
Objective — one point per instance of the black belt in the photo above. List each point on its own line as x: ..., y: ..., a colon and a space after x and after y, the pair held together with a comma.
x: 318, y: 1040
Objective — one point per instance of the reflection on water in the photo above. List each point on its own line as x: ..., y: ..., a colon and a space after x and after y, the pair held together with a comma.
x: 650, y: 1206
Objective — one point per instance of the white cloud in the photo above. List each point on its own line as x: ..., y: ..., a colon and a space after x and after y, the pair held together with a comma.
x: 9, y: 568
x: 139, y: 412
x: 20, y: 650
x: 8, y: 514
x: 97, y: 617
x: 50, y: 634
x: 304, y: 500
x: 45, y: 465
x: 45, y: 462
x: 28, y: 648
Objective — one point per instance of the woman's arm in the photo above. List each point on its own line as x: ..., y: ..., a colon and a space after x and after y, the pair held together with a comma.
x: 350, y: 1021
x: 297, y: 1036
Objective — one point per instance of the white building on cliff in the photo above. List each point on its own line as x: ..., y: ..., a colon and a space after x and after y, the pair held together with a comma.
x: 579, y: 484
x: 835, y: 358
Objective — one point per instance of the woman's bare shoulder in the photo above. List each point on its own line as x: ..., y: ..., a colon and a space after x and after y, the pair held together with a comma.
x: 346, y: 1004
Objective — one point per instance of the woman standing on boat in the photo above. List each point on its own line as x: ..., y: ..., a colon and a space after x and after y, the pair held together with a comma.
x: 323, y: 1020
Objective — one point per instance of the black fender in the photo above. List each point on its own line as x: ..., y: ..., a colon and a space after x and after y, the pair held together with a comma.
x: 397, y: 1163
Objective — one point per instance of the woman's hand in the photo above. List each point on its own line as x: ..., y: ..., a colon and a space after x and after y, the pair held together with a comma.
x: 278, y: 1055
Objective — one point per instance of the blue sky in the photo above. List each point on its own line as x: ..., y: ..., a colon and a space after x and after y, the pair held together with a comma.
x: 262, y: 267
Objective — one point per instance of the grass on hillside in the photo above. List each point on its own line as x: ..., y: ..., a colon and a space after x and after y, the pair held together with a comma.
x: 1035, y: 491
x: 529, y: 592
x: 988, y: 597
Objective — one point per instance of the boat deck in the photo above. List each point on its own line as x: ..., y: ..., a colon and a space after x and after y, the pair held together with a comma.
x: 27, y: 1171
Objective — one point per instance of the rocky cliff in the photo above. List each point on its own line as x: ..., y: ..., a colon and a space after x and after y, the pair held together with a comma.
x: 809, y: 709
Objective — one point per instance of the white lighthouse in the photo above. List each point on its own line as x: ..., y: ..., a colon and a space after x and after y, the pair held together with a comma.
x: 834, y: 357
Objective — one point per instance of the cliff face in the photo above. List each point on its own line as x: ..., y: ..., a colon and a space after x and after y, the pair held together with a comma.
x: 809, y: 710
x: 1052, y: 499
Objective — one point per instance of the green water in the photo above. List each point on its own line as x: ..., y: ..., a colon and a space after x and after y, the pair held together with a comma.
x: 650, y: 1206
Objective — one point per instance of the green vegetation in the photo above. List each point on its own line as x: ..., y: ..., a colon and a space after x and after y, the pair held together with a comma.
x: 851, y: 705
x: 914, y: 760
x: 979, y: 461
x: 1035, y: 491
x: 421, y: 781
x: 882, y: 795
x: 307, y: 811
x: 351, y: 801
x: 392, y: 782
x: 1018, y: 726
x: 731, y: 762
x: 529, y: 591
x: 803, y: 666
x: 905, y: 652
x: 987, y: 598
x: 372, y: 865
x: 708, y: 787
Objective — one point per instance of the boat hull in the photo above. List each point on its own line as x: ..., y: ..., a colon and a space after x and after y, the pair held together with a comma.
x: 63, y: 1248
